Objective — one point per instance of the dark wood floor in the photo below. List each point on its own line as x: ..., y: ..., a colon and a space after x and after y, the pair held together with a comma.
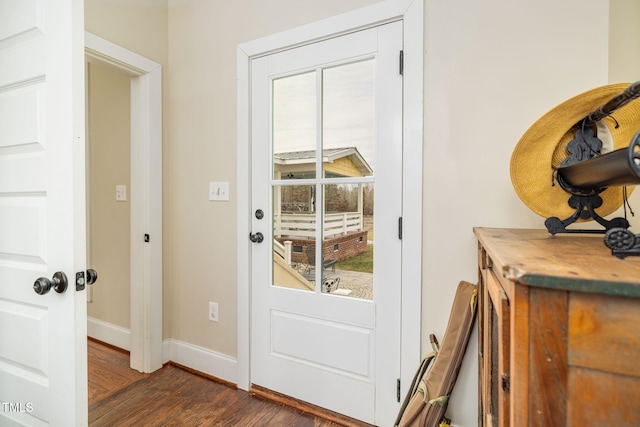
x: 171, y: 396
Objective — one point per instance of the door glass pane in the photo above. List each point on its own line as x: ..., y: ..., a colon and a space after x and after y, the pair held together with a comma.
x: 294, y: 147
x: 348, y: 240
x: 294, y: 227
x: 348, y: 113
x: 294, y: 126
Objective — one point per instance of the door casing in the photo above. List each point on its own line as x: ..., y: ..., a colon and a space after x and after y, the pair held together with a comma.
x: 146, y: 208
x: 411, y: 14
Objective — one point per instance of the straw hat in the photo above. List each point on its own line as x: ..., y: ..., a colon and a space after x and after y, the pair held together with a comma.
x: 543, y: 147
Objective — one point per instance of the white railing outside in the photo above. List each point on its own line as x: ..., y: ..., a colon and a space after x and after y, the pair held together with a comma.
x: 283, y: 250
x: 304, y: 225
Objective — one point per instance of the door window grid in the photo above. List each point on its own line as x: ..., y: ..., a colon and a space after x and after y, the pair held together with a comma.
x: 288, y: 165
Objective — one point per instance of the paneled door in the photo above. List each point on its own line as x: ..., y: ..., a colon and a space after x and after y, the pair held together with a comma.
x: 43, y: 367
x: 326, y: 160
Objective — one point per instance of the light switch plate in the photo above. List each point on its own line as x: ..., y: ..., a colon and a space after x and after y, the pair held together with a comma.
x: 219, y: 191
x: 121, y: 193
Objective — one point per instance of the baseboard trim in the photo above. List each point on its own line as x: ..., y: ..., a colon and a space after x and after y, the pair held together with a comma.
x: 109, y: 333
x: 205, y: 361
x: 208, y: 363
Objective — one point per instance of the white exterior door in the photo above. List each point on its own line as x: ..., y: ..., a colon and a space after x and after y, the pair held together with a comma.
x: 326, y: 138
x: 43, y: 367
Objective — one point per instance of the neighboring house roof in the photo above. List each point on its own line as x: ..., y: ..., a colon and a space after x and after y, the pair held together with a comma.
x: 348, y: 162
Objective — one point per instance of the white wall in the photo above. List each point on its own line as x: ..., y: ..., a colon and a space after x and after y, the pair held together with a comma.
x: 624, y: 41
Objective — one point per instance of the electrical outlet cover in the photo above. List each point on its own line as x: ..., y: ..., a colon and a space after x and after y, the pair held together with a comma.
x: 213, y: 311
x: 121, y: 193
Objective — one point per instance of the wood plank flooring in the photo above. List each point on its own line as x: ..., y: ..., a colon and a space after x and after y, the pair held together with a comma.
x: 171, y: 396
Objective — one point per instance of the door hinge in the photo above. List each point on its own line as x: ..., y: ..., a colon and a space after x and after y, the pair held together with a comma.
x: 401, y: 68
x: 400, y: 228
x: 398, y: 389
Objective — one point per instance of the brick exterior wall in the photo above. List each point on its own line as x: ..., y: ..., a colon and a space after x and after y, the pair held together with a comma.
x: 349, y: 245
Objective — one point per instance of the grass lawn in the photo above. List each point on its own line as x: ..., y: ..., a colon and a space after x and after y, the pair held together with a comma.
x: 362, y: 262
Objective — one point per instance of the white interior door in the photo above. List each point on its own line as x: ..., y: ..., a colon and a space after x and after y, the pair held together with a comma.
x: 326, y: 140
x: 43, y: 370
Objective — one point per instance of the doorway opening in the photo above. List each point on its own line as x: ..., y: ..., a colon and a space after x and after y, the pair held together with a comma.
x: 144, y: 335
x: 108, y: 204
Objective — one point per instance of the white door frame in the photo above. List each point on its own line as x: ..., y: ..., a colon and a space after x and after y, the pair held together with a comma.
x: 411, y: 13
x: 146, y: 206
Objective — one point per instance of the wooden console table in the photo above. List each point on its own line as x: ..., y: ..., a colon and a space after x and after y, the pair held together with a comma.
x: 559, y: 331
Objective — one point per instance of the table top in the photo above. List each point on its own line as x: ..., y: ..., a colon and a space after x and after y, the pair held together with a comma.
x: 576, y: 262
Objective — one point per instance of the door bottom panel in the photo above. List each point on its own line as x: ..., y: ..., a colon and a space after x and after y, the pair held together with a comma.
x: 328, y: 345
